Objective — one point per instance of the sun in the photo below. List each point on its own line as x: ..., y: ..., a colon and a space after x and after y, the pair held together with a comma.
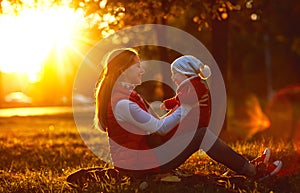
x: 27, y: 38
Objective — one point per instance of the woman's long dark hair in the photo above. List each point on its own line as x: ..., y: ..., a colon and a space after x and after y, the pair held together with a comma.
x: 116, y: 62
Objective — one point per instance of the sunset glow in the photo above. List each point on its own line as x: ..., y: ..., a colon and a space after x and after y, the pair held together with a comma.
x: 32, y: 30
x: 28, y: 36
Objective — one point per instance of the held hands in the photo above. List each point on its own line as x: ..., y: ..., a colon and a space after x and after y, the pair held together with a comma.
x: 169, y: 111
x: 183, y: 98
x: 163, y: 107
x: 170, y: 103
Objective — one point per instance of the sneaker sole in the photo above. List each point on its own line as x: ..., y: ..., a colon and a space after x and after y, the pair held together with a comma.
x: 267, y: 152
x: 277, y: 169
x: 278, y: 164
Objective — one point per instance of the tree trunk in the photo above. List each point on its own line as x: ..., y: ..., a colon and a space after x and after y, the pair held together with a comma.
x: 220, y: 50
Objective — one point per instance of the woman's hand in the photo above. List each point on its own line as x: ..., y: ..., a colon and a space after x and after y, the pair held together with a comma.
x: 163, y: 107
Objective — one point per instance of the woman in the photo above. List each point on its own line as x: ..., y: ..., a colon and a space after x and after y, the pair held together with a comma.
x: 124, y: 115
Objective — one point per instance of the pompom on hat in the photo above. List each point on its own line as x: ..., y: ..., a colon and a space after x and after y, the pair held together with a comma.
x: 191, y: 66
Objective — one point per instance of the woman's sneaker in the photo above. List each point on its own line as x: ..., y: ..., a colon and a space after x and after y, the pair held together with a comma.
x: 264, y: 158
x: 264, y: 171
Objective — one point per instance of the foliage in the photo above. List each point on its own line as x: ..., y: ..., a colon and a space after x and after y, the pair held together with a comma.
x: 259, y: 32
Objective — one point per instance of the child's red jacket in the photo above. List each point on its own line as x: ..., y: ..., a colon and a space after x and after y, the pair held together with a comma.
x: 195, y: 92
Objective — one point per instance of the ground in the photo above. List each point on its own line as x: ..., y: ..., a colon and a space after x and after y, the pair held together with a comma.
x: 38, y: 153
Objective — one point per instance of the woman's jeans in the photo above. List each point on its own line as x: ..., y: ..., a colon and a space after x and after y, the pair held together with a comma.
x: 218, y: 151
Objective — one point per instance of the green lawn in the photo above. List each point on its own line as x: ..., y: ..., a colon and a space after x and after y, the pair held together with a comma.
x: 38, y: 153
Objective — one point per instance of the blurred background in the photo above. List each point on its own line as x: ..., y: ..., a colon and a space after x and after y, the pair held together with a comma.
x: 256, y: 44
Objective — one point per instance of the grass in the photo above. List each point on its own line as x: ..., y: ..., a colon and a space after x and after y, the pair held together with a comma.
x: 38, y: 153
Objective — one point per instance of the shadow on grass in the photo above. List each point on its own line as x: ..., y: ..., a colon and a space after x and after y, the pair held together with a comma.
x: 108, y: 180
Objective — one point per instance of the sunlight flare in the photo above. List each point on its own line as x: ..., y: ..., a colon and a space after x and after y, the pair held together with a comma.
x: 28, y: 37
x: 32, y: 30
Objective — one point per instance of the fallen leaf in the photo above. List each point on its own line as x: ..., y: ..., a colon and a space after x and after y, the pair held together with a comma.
x: 170, y: 179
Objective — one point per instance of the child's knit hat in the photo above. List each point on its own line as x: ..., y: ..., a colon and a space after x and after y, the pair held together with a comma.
x: 190, y: 65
